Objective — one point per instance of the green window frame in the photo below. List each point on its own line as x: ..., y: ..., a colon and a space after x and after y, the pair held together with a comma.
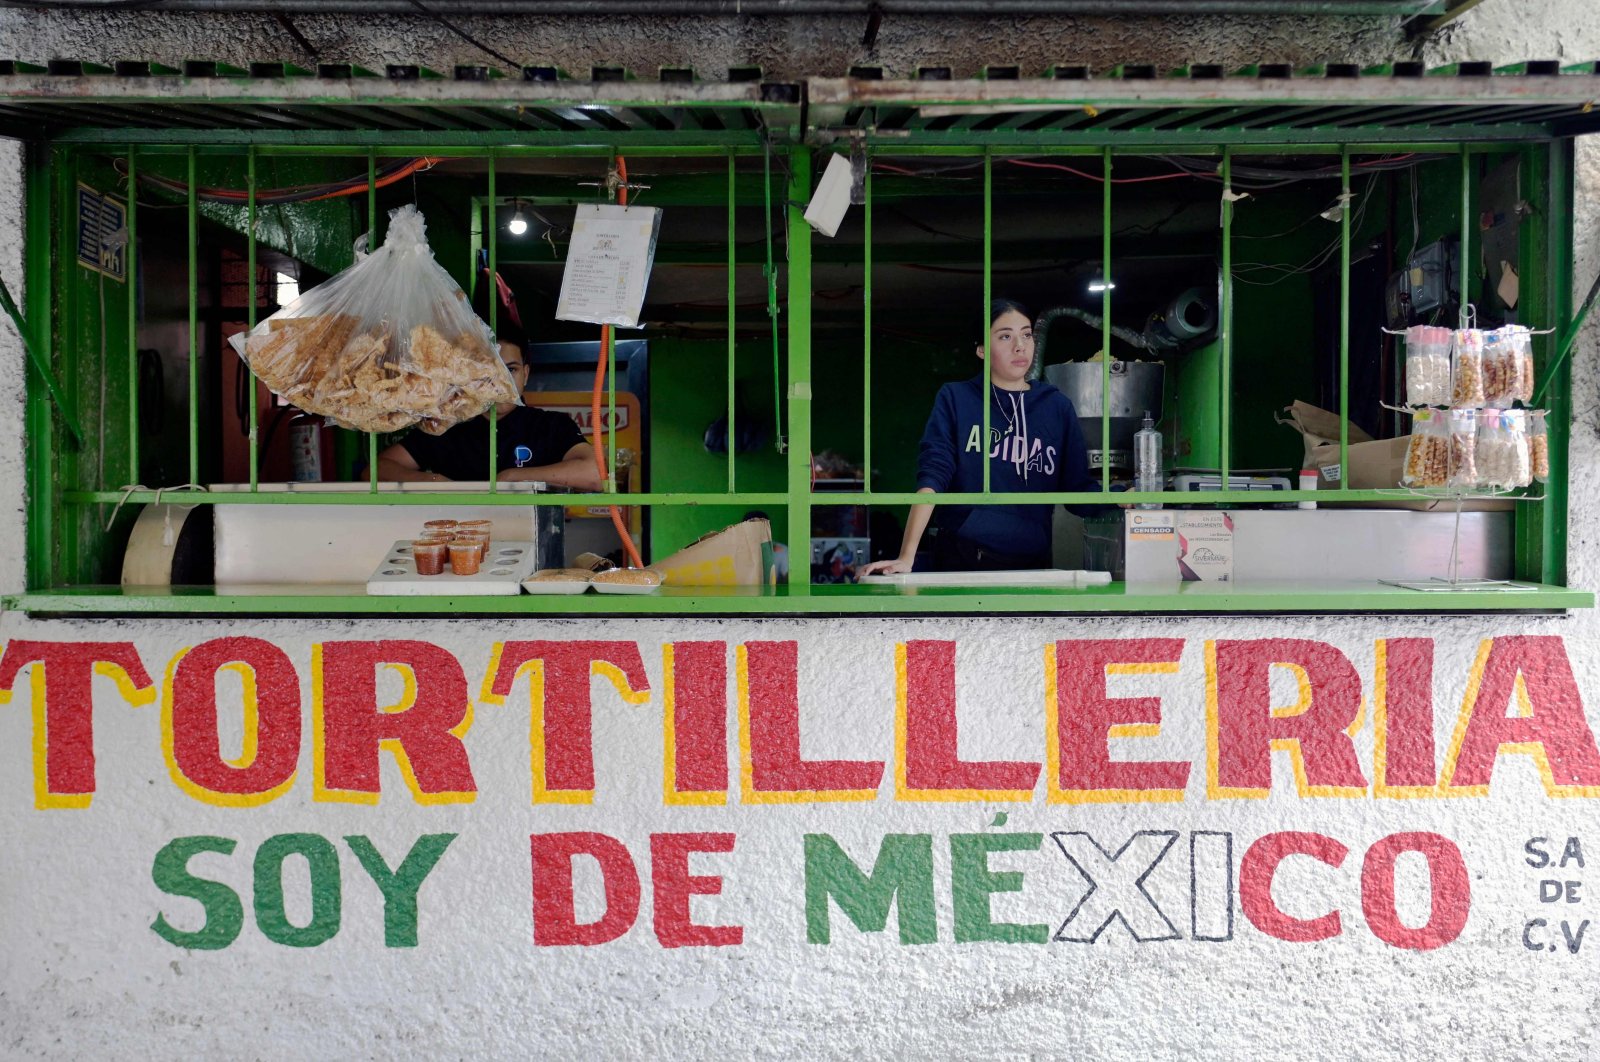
x: 63, y: 511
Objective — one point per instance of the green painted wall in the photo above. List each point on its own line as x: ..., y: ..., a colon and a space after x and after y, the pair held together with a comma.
x: 687, y: 393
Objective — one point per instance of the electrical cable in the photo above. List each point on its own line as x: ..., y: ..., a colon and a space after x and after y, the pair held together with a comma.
x: 464, y: 35
x: 387, y: 175
x: 634, y: 560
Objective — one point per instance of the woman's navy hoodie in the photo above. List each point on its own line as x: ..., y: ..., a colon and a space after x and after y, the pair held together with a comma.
x: 1035, y: 444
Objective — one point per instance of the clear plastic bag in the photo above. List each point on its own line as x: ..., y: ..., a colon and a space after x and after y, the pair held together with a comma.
x: 388, y: 343
x: 1463, y: 426
x: 1428, y: 452
x: 1538, y: 446
x: 1504, y: 458
x: 1427, y: 366
x: 1507, y: 366
x: 1467, y: 391
x: 1521, y: 342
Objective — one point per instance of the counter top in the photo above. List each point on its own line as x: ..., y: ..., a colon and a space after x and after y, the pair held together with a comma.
x: 1192, y: 598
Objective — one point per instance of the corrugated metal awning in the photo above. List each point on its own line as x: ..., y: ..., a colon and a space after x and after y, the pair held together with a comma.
x: 208, y: 103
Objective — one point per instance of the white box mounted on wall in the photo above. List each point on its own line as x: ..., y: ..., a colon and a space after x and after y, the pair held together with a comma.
x: 832, y: 197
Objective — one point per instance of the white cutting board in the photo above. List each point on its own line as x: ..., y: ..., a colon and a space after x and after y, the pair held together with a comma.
x: 504, y: 567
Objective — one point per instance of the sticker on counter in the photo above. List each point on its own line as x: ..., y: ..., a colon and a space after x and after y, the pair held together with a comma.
x: 1205, y: 547
x: 1152, y: 527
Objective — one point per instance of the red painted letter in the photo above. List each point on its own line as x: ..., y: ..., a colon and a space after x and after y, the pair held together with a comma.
x: 63, y: 703
x: 561, y: 730
x: 769, y: 702
x: 1404, y: 763
x: 1448, y: 885
x: 1244, y: 727
x: 271, y: 722
x: 1256, y: 870
x: 673, y: 885
x: 555, y: 921
x: 930, y: 762
x: 696, y: 719
x: 1550, y: 723
x: 1085, y: 718
x: 424, y: 731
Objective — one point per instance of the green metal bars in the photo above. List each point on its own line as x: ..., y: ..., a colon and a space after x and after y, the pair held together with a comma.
x: 1105, y: 324
x: 1346, y: 208
x: 132, y: 261
x: 794, y: 398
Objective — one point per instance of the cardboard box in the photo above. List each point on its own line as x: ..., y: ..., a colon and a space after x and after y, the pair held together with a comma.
x: 1375, y: 464
x: 1369, y: 460
x: 1205, y: 547
x: 740, y: 555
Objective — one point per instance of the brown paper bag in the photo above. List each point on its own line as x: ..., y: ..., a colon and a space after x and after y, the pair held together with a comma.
x: 740, y: 555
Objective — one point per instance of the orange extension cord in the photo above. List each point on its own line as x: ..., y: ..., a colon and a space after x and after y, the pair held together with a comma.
x: 594, y: 408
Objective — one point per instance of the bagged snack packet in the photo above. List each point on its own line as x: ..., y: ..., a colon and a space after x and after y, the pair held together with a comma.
x: 388, y: 343
x: 1538, y: 446
x: 1463, y: 424
x: 1428, y: 452
x: 1504, y: 458
x: 1427, y: 366
x: 1467, y: 391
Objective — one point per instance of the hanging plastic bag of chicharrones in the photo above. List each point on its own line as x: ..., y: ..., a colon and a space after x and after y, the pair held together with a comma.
x: 388, y: 343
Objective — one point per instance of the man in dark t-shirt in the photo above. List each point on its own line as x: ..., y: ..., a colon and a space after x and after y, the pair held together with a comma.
x: 533, y: 444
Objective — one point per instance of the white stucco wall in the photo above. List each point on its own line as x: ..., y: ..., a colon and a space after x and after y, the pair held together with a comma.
x: 83, y: 975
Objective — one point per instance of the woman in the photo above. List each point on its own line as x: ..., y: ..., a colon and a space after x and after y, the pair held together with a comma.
x: 1035, y: 444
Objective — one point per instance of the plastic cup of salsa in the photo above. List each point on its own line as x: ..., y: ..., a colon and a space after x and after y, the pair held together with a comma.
x: 429, y: 556
x: 439, y: 525
x: 465, y: 557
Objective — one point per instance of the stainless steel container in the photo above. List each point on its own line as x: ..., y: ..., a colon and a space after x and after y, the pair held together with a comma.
x: 1136, y: 386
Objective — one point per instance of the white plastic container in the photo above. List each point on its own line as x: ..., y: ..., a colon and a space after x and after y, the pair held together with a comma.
x: 1308, y: 481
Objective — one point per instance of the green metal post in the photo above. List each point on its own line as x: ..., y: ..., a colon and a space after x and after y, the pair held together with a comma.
x: 799, y: 454
x: 1552, y: 560
x: 1225, y: 369
x: 986, y: 386
x: 1105, y: 327
x: 772, y: 303
x: 1344, y: 321
x: 131, y: 259
x: 1466, y: 233
x: 372, y: 239
x: 43, y: 515
x: 194, y: 323
x: 733, y: 265
x: 493, y: 226
x: 611, y: 411
x: 250, y: 311
x: 866, y: 330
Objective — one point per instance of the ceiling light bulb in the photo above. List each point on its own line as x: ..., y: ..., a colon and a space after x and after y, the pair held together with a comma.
x: 1097, y: 285
x: 518, y: 225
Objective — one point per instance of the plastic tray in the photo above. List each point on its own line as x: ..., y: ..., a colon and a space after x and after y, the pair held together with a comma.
x: 505, y: 565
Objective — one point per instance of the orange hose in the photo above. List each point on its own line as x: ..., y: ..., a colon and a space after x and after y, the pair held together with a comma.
x: 594, y: 405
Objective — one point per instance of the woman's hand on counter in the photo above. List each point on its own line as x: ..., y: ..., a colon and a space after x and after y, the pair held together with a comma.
x: 885, y: 567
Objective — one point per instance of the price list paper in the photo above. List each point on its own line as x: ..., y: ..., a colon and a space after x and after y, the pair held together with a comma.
x: 608, y: 264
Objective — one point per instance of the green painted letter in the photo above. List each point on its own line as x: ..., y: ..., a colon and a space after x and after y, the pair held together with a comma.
x: 399, y: 887
x: 224, y: 911
x: 972, y: 883
x: 323, y: 860
x: 904, y: 870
